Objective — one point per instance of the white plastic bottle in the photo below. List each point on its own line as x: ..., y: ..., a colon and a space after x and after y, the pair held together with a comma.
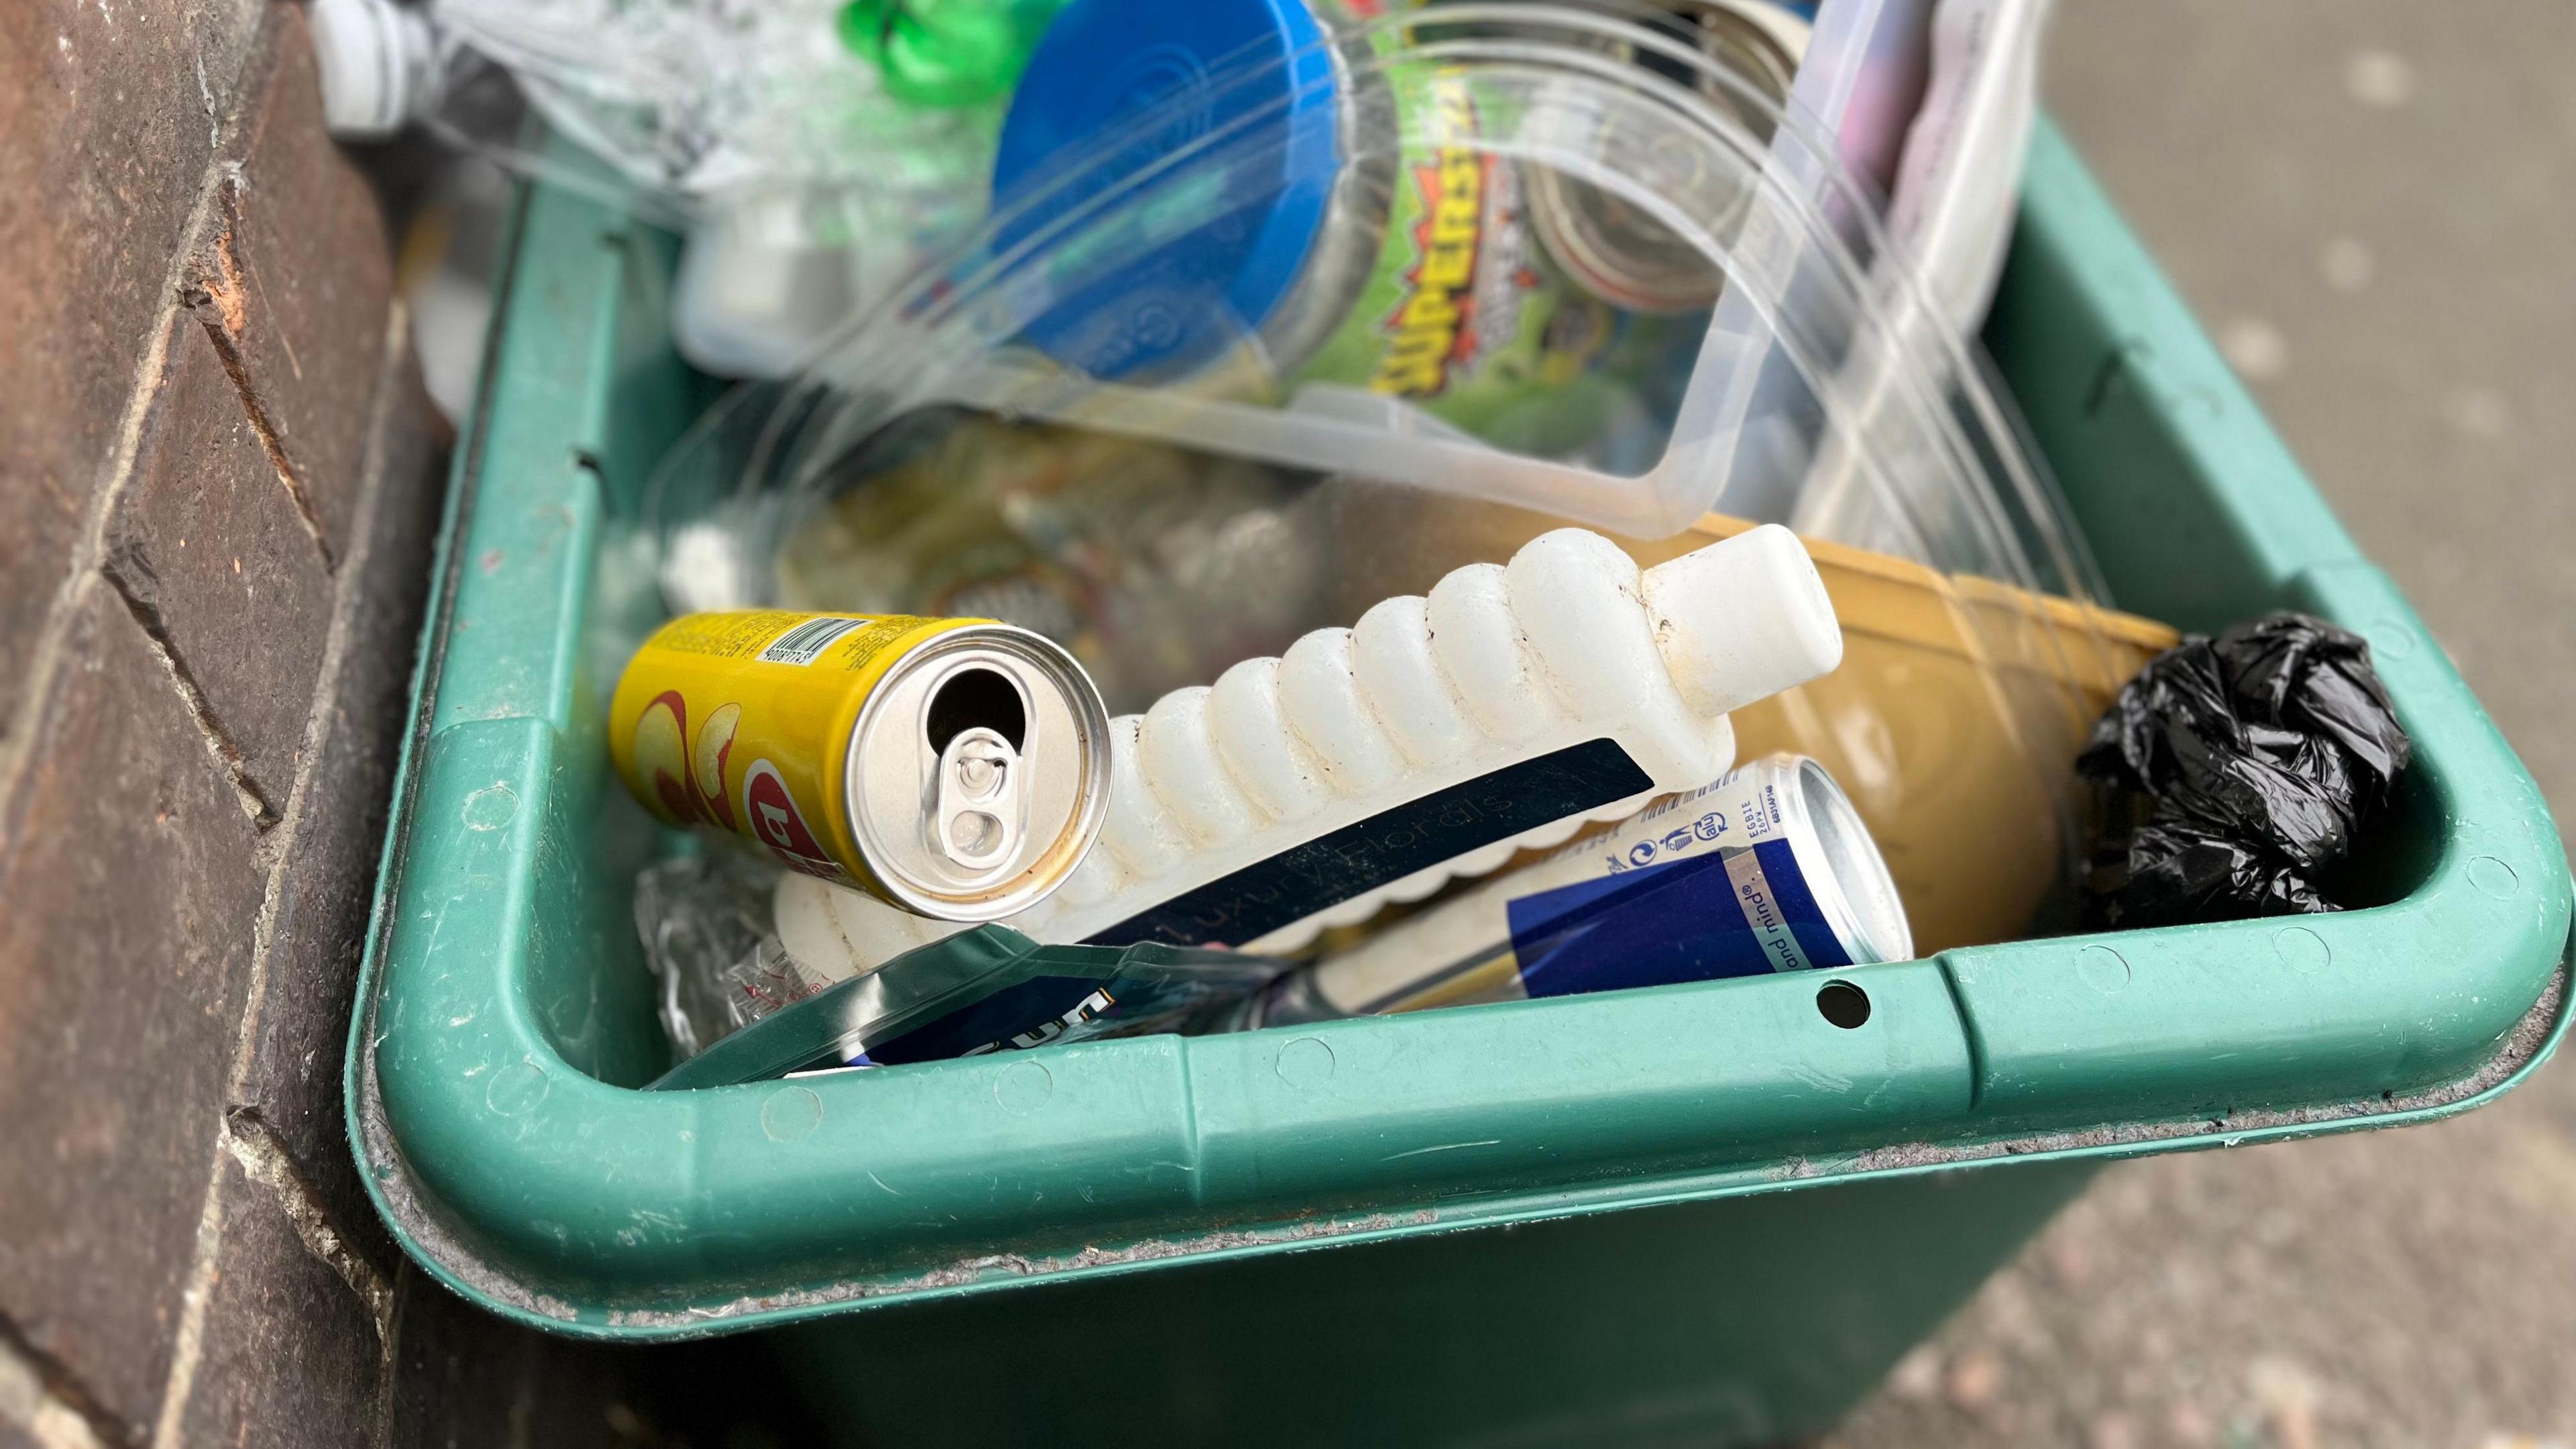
x: 1432, y: 740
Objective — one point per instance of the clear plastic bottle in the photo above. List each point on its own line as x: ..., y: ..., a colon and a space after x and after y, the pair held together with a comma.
x: 810, y: 173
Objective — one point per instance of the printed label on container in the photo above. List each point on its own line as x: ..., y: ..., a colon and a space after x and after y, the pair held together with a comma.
x: 1762, y: 913
x: 1744, y: 912
x: 1461, y: 315
x: 1387, y: 847
x: 770, y: 807
x: 806, y: 642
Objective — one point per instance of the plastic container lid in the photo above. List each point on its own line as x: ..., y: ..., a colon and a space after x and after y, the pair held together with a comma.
x: 1114, y: 269
x: 1251, y: 63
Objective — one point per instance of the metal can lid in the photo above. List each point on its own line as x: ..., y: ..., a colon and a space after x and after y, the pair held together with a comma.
x: 1616, y: 250
x: 1172, y: 303
x: 1845, y: 871
x: 978, y: 773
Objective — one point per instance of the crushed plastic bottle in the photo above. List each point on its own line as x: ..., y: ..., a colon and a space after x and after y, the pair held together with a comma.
x: 684, y: 99
x: 989, y: 989
x: 809, y: 174
x: 717, y: 964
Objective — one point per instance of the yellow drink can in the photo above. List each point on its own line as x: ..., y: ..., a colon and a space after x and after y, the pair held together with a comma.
x: 958, y: 768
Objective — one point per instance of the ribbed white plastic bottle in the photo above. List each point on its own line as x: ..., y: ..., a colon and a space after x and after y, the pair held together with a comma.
x: 1432, y: 740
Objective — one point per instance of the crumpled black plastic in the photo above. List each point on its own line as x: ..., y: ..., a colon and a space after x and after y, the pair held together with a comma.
x: 2247, y: 764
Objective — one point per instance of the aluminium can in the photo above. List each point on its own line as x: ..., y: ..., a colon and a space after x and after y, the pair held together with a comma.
x: 1768, y: 869
x: 1613, y: 249
x: 957, y: 768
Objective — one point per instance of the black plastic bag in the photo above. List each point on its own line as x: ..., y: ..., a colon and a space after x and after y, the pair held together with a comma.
x: 2245, y: 764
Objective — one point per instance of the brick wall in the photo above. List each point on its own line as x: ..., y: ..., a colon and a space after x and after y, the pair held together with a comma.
x: 219, y: 481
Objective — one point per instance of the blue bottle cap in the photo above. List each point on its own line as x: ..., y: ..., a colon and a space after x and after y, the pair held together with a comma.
x: 1135, y: 299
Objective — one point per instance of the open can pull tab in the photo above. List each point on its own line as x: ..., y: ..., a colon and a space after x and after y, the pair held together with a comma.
x: 977, y: 806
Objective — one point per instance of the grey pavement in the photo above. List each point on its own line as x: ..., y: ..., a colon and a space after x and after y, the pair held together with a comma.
x: 2372, y: 205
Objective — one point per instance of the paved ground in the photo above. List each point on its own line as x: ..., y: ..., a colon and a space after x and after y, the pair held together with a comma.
x: 2370, y: 203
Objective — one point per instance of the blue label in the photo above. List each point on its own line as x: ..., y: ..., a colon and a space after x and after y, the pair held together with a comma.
x: 1729, y: 913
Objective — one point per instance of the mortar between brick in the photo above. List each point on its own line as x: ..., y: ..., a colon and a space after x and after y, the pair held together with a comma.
x: 48, y: 1401
x: 227, y: 755
x: 265, y: 1160
x: 218, y: 292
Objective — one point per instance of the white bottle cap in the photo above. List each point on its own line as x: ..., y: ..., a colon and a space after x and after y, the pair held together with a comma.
x: 375, y: 59
x: 1743, y: 619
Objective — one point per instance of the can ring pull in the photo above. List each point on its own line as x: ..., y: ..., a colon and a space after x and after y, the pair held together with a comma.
x: 975, y: 817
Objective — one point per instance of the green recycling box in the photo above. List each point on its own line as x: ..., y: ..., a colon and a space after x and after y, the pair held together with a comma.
x: 1697, y: 1212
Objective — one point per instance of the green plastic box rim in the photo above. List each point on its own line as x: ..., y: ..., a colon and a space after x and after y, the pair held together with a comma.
x: 504, y: 1016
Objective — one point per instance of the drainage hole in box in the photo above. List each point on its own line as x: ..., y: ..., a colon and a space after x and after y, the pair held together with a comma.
x: 1843, y: 1004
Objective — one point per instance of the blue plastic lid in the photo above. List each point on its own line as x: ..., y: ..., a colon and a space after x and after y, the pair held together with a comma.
x: 1127, y: 301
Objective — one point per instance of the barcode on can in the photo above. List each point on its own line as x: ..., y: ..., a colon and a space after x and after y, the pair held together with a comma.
x: 807, y: 641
